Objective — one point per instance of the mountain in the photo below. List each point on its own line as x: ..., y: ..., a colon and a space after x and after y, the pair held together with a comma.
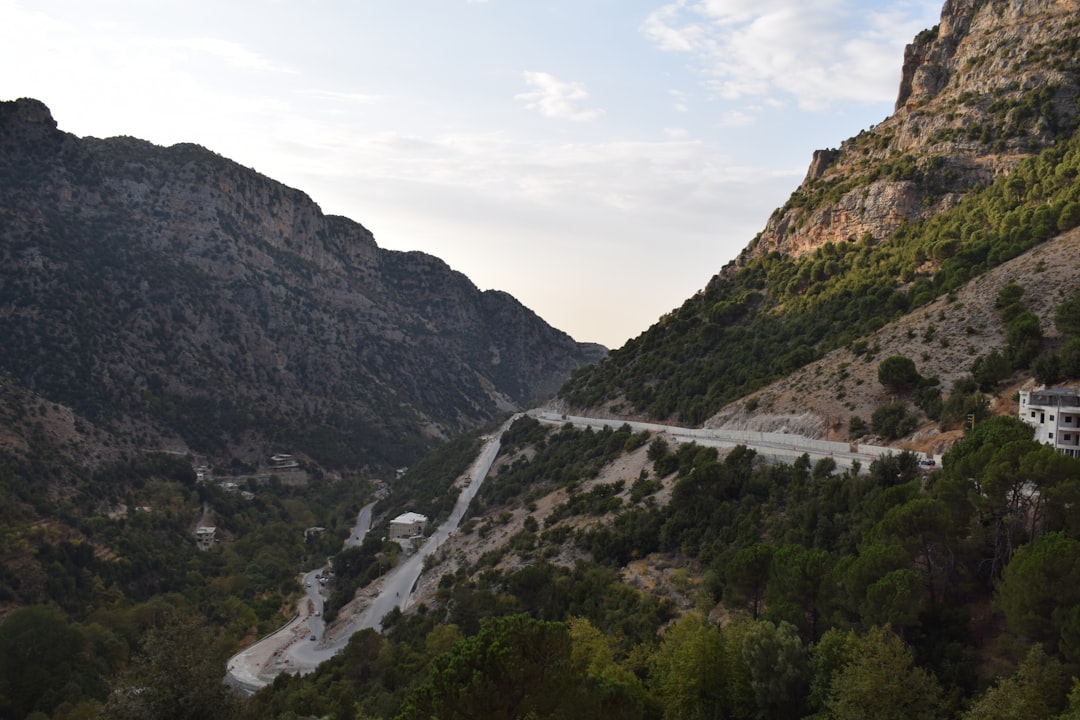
x: 976, y: 166
x: 168, y: 298
x: 993, y: 83
x: 598, y: 573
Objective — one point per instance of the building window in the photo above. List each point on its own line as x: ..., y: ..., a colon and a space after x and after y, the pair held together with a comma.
x: 1032, y: 413
x: 1051, y: 418
x: 1051, y: 436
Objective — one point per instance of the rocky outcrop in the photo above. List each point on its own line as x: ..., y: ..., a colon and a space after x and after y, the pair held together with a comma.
x: 176, y: 299
x: 994, y: 82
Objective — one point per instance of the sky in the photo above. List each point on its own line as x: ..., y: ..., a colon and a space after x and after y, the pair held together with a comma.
x: 599, y: 160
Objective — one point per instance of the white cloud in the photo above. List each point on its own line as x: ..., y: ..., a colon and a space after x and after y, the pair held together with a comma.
x: 554, y: 98
x: 679, y: 104
x: 735, y: 118
x: 820, y: 52
x: 343, y: 97
x: 232, y: 53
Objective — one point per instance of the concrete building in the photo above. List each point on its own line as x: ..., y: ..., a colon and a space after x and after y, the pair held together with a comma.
x: 1055, y: 415
x: 282, y: 461
x: 407, y: 525
x: 205, y: 537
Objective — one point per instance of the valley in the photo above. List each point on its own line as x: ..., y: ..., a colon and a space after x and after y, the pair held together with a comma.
x: 805, y: 492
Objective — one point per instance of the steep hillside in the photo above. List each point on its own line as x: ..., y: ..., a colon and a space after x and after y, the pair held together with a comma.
x: 181, y: 301
x: 944, y: 338
x: 172, y: 299
x: 993, y: 83
x: 978, y: 164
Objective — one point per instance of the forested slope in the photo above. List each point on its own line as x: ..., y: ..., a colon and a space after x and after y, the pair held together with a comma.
x: 977, y: 164
x: 777, y: 313
x: 622, y: 577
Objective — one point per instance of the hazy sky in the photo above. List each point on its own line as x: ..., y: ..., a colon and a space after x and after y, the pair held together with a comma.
x: 599, y: 160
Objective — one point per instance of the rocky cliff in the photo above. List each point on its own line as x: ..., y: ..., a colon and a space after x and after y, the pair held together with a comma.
x: 976, y: 165
x: 174, y: 299
x: 995, y: 81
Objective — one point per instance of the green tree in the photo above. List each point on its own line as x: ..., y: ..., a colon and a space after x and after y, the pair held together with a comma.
x: 893, y: 420
x: 1039, y: 587
x: 1067, y: 317
x: 44, y: 661
x: 881, y: 681
x: 515, y: 667
x: 687, y: 671
x: 1036, y: 692
x: 795, y: 591
x: 922, y: 527
x: 177, y: 675
x: 767, y: 669
x: 1009, y: 296
x: 898, y: 374
x: 1070, y: 358
x: 1015, y: 482
x: 991, y: 369
x: 613, y: 691
x: 747, y: 576
x: 1047, y: 368
x: 1023, y: 338
x: 828, y: 657
x: 894, y: 598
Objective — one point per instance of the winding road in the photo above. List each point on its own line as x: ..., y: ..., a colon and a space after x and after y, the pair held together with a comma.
x: 779, y: 446
x: 303, y: 643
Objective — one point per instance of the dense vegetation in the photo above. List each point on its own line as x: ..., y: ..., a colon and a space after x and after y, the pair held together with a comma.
x: 882, y: 593
x: 778, y: 313
x: 785, y: 590
x: 115, y: 570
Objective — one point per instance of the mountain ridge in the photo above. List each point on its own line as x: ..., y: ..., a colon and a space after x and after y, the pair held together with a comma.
x: 964, y: 115
x: 173, y: 289
x: 973, y: 168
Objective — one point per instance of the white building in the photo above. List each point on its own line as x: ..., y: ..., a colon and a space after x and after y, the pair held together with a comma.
x: 407, y: 525
x: 204, y: 537
x: 282, y: 461
x: 1055, y: 415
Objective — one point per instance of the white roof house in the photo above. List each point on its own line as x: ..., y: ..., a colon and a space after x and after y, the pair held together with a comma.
x: 407, y: 525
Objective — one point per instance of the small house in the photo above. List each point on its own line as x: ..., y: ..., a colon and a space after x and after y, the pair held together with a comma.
x: 204, y: 537
x: 407, y: 525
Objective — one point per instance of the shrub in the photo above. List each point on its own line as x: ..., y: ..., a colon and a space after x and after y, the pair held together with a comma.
x: 893, y: 421
x: 898, y: 374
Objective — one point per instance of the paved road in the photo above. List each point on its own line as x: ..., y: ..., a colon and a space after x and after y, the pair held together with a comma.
x: 363, y: 524
x: 291, y: 648
x: 786, y: 447
x: 302, y: 644
x: 399, y: 582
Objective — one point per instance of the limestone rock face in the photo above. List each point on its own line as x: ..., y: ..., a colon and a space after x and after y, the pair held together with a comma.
x: 173, y: 298
x: 994, y: 82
